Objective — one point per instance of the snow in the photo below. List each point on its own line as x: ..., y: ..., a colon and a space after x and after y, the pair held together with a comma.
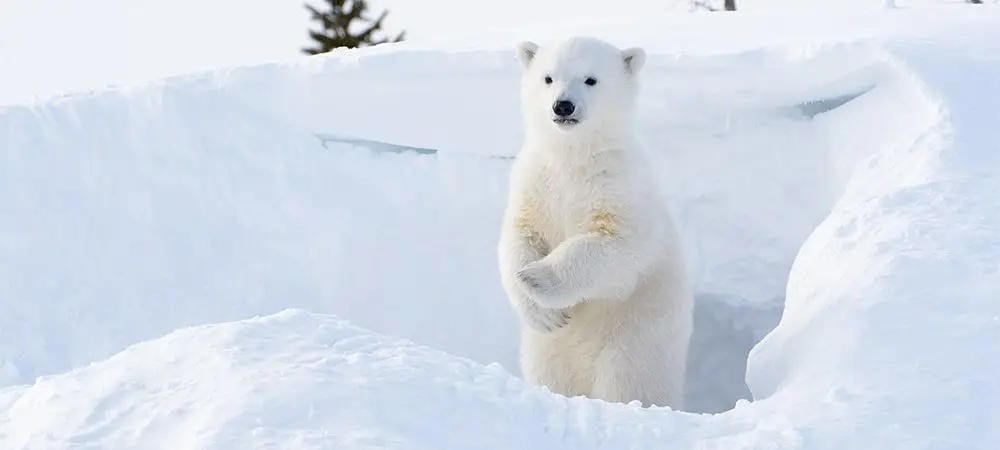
x: 302, y: 254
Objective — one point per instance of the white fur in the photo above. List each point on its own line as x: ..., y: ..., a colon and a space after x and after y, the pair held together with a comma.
x: 588, y: 252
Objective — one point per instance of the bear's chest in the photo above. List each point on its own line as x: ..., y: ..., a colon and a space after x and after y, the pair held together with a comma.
x: 566, y: 198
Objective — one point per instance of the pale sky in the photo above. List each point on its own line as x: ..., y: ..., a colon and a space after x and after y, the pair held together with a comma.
x: 49, y: 47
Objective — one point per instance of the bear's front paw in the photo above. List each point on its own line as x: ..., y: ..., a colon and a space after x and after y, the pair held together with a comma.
x: 538, y: 280
x: 543, y: 319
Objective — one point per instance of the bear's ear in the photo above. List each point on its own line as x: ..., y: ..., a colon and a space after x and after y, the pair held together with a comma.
x: 634, y: 59
x: 526, y: 52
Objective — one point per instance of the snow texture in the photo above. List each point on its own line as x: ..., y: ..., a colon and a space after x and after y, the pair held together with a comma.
x: 302, y: 255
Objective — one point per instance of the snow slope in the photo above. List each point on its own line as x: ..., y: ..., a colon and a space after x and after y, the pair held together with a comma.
x: 844, y: 183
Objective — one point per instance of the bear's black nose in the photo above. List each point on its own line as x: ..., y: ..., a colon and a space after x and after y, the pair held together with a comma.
x: 563, y: 108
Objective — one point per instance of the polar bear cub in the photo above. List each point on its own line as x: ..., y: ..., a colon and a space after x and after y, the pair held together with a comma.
x: 588, y: 252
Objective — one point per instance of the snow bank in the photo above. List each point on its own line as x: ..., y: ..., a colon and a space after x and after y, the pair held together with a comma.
x: 858, y: 175
x: 143, y: 211
x: 893, y: 300
x: 297, y: 380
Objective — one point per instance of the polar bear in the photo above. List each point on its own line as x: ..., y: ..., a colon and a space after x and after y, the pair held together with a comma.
x: 589, y: 255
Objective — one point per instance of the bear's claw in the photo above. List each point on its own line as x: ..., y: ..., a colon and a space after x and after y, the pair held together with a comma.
x: 544, y: 319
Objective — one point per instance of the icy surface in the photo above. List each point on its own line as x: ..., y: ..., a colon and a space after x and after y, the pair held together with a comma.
x: 842, y: 183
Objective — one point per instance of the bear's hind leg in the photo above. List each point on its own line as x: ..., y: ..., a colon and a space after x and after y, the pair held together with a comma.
x: 542, y: 364
x: 622, y: 378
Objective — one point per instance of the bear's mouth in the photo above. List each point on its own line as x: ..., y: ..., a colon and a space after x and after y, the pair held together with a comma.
x: 565, y: 121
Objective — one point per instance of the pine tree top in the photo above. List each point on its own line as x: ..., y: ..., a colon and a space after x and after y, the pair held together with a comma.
x: 346, y: 23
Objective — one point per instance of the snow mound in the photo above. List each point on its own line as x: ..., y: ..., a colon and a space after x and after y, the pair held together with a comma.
x: 837, y: 202
x: 299, y: 380
x: 293, y: 379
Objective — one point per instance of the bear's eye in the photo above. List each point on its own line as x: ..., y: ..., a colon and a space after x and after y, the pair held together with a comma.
x: 590, y: 81
x: 548, y: 79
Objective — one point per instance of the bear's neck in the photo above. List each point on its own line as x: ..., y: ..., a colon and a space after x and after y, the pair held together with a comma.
x: 581, y: 142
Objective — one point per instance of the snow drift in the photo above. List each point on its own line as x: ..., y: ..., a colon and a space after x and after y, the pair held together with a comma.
x: 846, y: 188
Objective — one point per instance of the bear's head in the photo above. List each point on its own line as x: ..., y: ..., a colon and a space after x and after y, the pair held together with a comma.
x: 578, y: 86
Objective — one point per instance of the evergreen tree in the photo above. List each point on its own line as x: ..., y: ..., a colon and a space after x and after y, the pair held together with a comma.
x: 337, y: 23
x: 727, y: 5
